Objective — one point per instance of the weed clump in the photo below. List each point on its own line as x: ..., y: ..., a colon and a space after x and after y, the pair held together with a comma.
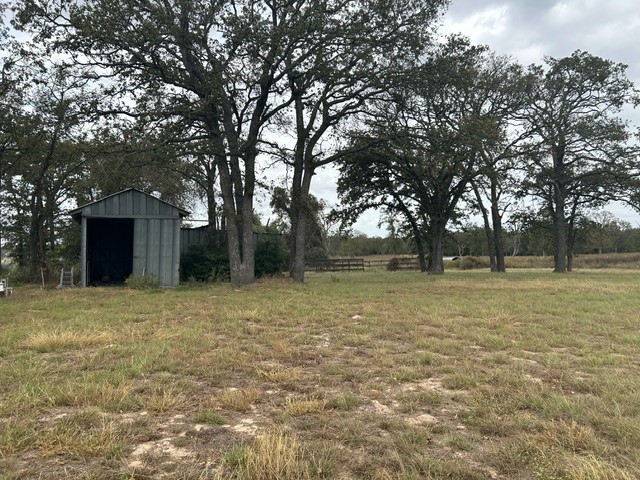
x: 142, y: 282
x: 472, y: 263
x: 274, y: 455
x: 393, y: 265
x: 302, y: 406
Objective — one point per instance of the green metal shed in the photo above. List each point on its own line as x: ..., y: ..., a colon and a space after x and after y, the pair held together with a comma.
x: 129, y: 232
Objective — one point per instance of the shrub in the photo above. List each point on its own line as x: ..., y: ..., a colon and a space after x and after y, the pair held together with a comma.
x: 271, y: 257
x: 393, y: 265
x: 203, y: 264
x: 471, y: 263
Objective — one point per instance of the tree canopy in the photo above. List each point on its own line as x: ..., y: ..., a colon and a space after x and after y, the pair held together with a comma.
x: 583, y: 152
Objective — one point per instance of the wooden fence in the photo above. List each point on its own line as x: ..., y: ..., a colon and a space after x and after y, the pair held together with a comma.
x: 337, y: 265
x: 360, y: 265
x: 401, y: 263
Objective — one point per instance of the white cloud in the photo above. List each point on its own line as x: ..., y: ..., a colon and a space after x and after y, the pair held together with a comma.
x: 532, y: 29
x: 487, y: 23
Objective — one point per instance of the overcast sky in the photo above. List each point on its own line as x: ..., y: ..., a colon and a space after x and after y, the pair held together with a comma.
x: 529, y: 30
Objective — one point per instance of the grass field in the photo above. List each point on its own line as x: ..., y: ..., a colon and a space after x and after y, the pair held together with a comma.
x: 470, y: 375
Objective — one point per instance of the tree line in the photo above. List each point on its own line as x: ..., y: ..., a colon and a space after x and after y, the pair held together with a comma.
x: 197, y: 99
x: 598, y: 233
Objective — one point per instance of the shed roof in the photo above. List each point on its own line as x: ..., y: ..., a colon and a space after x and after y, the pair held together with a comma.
x: 127, y: 203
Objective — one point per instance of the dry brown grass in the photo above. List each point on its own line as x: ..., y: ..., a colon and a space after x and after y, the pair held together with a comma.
x: 239, y: 400
x: 274, y: 455
x: 301, y: 406
x: 66, y: 340
x: 280, y: 374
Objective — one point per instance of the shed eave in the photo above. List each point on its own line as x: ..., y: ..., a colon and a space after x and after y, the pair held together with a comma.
x: 76, y: 213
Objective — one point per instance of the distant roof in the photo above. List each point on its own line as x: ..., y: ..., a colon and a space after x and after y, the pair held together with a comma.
x: 111, y: 203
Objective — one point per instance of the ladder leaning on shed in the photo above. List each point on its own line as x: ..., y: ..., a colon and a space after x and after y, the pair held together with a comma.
x: 66, y: 278
x: 5, y: 289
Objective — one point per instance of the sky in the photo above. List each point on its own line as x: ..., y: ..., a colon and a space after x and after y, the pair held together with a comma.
x: 529, y: 30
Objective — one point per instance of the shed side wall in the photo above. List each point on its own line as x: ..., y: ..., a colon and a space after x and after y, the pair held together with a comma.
x: 156, y: 249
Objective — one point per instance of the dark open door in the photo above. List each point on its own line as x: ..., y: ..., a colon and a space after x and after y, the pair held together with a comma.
x: 110, y: 250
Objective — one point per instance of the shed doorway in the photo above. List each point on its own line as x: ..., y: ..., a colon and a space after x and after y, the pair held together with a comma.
x: 110, y: 250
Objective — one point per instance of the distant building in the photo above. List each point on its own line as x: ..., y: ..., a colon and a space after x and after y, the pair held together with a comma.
x: 129, y: 232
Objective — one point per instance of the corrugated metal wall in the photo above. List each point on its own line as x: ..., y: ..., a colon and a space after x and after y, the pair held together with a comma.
x: 156, y: 249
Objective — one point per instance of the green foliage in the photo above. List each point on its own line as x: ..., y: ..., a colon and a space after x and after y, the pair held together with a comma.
x: 316, y: 254
x: 271, y: 256
x: 204, y: 264
x: 316, y: 234
x: 69, y: 244
x: 585, y: 160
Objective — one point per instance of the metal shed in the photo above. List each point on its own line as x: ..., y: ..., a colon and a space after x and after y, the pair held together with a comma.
x: 129, y: 232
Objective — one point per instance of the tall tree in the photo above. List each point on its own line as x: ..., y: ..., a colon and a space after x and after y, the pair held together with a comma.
x: 501, y: 94
x: 432, y: 154
x: 51, y: 152
x: 583, y: 155
x: 380, y: 178
x: 358, y: 55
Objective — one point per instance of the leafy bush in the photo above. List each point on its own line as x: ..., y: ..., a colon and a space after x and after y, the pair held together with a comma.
x: 203, y: 264
x: 16, y: 276
x: 271, y: 257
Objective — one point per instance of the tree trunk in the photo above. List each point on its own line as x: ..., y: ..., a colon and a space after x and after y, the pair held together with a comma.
x: 516, y: 245
x: 297, y: 244
x: 417, y: 236
x: 569, y: 259
x: 571, y: 236
x: 239, y: 222
x: 36, y: 235
x: 558, y: 212
x: 498, y: 241
x: 487, y: 229
x: 496, y: 218
x: 559, y: 236
x: 300, y: 184
x: 422, y: 254
x: 241, y: 259
x: 212, y: 208
x: 215, y: 229
x: 436, y: 261
x: 299, y: 222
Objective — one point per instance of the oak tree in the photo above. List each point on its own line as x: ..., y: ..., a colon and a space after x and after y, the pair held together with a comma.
x: 583, y: 155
